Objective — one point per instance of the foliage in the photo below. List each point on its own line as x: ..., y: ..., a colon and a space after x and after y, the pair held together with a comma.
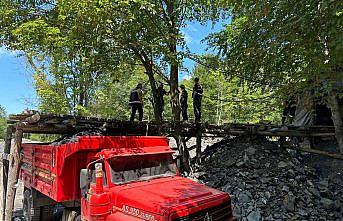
x: 113, y: 96
x: 288, y: 46
x: 79, y: 42
x: 50, y: 98
x: 231, y: 100
x: 3, y: 122
x: 283, y: 44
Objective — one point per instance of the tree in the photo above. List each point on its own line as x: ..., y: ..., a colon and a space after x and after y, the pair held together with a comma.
x: 90, y: 38
x: 3, y: 122
x: 230, y: 100
x: 287, y: 46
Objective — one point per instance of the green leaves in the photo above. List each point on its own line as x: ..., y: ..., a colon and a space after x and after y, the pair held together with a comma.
x: 3, y: 122
x: 282, y: 43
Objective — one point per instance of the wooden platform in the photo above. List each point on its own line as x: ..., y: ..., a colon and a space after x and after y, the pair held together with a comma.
x: 66, y: 124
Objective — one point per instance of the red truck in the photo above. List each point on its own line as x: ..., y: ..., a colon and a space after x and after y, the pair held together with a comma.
x: 104, y: 178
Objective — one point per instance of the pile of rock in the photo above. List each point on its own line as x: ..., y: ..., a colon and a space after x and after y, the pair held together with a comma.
x: 268, y: 183
x: 74, y: 137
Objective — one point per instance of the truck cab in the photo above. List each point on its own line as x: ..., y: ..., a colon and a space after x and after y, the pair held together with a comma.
x: 145, y: 184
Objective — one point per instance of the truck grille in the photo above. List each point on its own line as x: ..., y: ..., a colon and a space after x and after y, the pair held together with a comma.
x: 218, y: 213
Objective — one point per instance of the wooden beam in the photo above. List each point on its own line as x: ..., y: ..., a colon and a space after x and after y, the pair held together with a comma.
x: 319, y: 152
x: 13, y: 173
x: 4, y: 171
x: 198, y: 144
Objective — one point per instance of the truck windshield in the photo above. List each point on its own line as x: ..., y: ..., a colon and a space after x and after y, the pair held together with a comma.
x: 126, y: 169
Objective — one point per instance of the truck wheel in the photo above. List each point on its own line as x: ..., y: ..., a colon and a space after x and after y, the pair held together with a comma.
x: 69, y: 215
x: 47, y: 213
x: 30, y: 213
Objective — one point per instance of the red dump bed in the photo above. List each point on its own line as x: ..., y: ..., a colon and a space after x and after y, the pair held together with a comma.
x: 54, y: 169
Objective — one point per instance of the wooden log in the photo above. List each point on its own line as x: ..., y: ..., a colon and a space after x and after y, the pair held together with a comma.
x: 198, y: 144
x: 33, y: 119
x: 13, y: 173
x: 319, y: 152
x: 4, y: 171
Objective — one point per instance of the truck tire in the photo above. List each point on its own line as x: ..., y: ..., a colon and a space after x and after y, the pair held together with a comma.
x: 47, y: 213
x: 69, y: 215
x: 31, y: 213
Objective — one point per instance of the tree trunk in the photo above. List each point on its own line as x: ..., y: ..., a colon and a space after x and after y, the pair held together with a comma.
x: 155, y: 94
x: 173, y: 32
x: 337, y: 119
x: 183, y: 151
x: 13, y: 174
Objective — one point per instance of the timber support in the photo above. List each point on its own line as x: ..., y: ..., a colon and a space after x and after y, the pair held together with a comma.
x: 4, y: 170
x: 13, y: 173
x: 198, y: 143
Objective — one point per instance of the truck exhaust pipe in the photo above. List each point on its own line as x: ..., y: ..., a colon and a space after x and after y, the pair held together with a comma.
x: 99, y: 185
x: 99, y: 202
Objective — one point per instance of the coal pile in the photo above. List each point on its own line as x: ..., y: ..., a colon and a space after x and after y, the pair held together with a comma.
x: 268, y: 183
x: 73, y: 138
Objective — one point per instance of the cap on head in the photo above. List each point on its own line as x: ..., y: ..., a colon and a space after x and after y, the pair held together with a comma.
x: 182, y: 86
x: 196, y: 79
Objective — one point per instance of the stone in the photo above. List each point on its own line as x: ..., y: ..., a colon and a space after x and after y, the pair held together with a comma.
x: 251, y: 151
x: 303, y: 212
x: 338, y: 204
x: 285, y: 189
x: 314, y: 191
x: 282, y: 164
x: 323, y: 184
x: 289, y: 202
x: 267, y: 195
x: 230, y: 162
x: 265, y: 184
x: 255, y: 215
x: 243, y: 198
x: 240, y: 164
x: 326, y: 203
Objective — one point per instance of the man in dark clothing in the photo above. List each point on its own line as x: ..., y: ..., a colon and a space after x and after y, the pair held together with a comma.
x: 136, y: 103
x: 197, y: 99
x: 184, y: 102
x: 161, y: 93
x: 288, y: 111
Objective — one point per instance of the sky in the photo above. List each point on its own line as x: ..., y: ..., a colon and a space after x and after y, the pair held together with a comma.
x: 17, y: 92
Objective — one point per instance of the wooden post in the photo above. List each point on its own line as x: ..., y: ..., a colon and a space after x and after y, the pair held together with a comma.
x: 198, y: 144
x: 13, y: 173
x: 4, y: 172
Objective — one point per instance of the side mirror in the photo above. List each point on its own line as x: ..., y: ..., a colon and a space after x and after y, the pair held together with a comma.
x: 85, y: 181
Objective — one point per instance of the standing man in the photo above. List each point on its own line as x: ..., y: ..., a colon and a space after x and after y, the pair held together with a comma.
x: 136, y: 102
x: 184, y: 102
x: 197, y: 99
x: 161, y: 93
x: 288, y: 111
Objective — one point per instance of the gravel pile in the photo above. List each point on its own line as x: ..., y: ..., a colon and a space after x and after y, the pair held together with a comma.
x: 267, y: 183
